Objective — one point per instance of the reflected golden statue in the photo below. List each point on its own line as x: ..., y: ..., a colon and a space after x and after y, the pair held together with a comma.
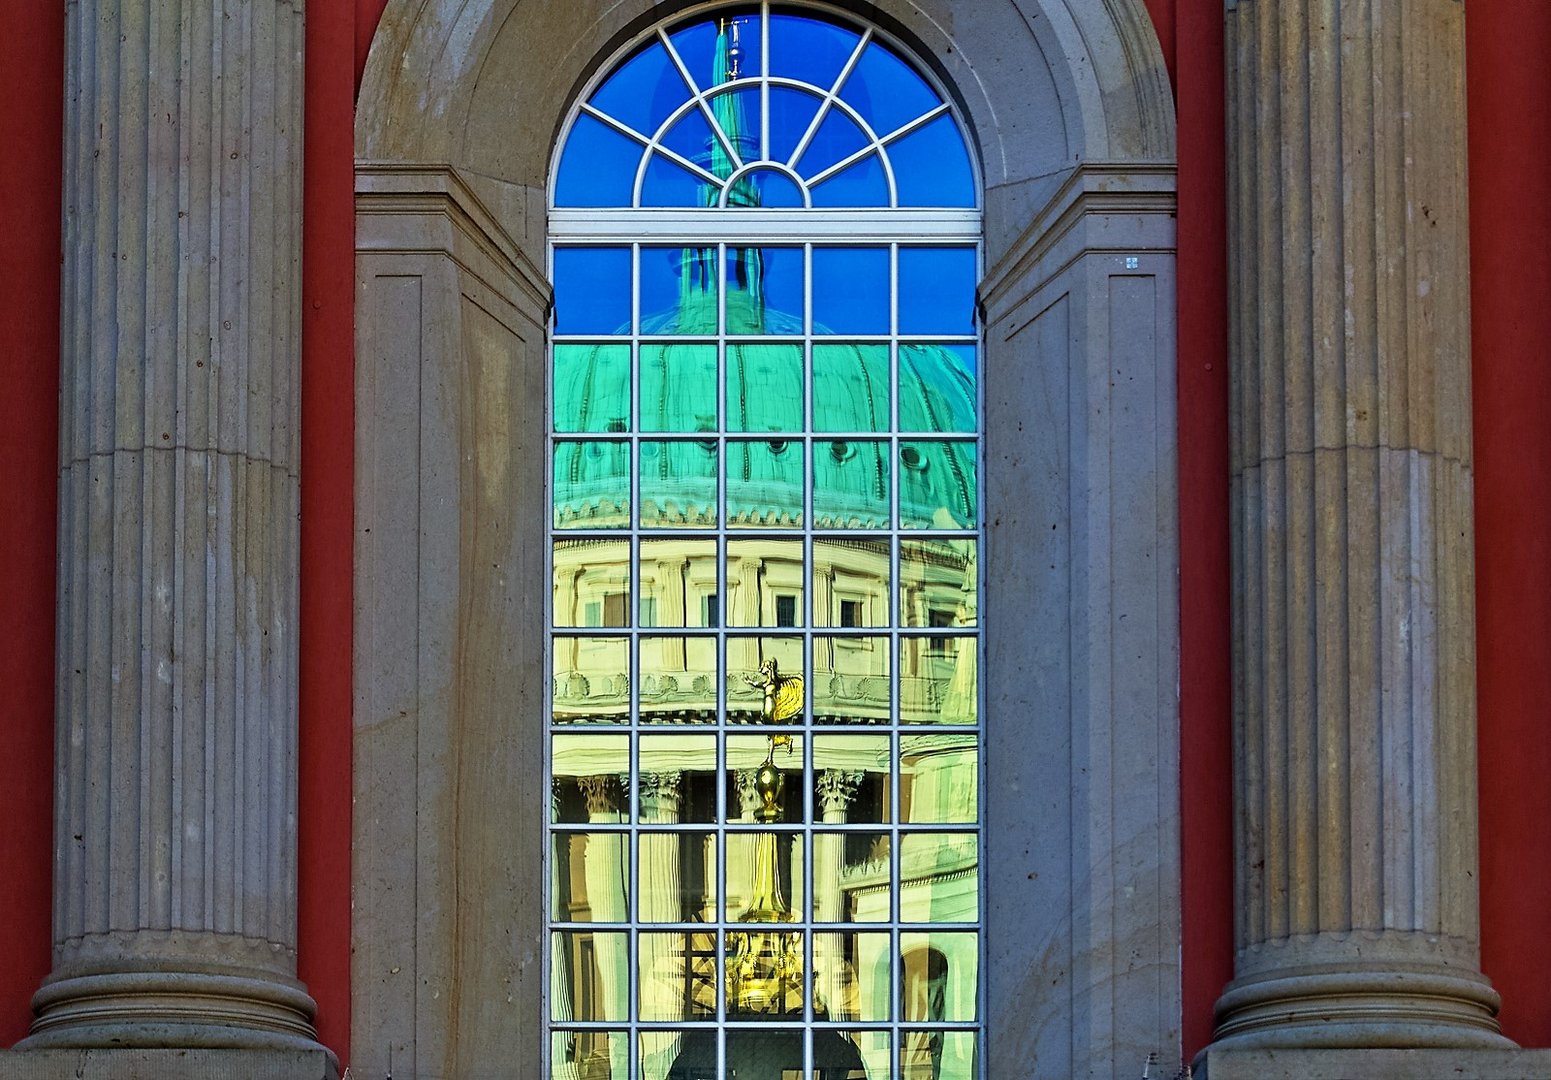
x: 783, y: 699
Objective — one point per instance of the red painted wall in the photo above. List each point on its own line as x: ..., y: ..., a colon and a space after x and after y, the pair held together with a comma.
x: 328, y: 524
x: 32, y: 53
x: 1510, y: 96
x: 1508, y: 57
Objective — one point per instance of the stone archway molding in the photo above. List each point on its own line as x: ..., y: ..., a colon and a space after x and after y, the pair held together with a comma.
x: 1069, y: 103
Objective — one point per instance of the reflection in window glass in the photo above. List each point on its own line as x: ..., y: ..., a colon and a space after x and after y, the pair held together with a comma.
x: 765, y: 742
x: 598, y: 167
x: 764, y: 388
x: 850, y: 387
x: 850, y: 291
x: 937, y: 290
x: 592, y: 290
x: 862, y: 183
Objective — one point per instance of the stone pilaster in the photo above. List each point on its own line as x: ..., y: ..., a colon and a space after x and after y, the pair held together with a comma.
x: 1355, y: 788
x: 175, y: 835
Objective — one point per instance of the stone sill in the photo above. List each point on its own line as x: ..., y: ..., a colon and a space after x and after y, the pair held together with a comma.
x: 188, y: 1064
x: 1230, y: 1064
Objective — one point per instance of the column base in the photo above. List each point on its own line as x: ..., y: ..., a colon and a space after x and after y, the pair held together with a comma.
x: 181, y: 1010
x: 1230, y: 1063
x: 1357, y: 1007
x: 129, y: 1064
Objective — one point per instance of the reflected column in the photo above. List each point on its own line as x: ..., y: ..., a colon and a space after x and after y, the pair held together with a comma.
x: 608, y: 863
x: 836, y: 789
x: 661, y: 900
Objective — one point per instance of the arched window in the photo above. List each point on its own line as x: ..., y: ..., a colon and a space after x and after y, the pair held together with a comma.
x: 765, y: 707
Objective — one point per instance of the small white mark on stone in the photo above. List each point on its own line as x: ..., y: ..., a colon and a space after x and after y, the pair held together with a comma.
x: 1423, y: 287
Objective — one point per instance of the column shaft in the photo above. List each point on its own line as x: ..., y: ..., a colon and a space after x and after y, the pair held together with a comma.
x: 175, y: 832
x: 1353, y: 549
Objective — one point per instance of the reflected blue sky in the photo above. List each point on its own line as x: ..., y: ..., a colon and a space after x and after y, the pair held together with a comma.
x: 931, y: 164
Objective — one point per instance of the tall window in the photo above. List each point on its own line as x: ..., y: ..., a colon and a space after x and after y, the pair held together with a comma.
x: 765, y: 720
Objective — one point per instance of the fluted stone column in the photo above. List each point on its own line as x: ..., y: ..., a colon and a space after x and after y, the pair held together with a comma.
x: 175, y: 830
x: 1355, y: 785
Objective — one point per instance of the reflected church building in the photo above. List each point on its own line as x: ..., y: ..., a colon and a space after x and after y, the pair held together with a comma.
x: 765, y: 696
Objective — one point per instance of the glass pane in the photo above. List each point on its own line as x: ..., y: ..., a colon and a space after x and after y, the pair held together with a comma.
x: 851, y: 977
x: 939, y: 781
x: 681, y: 1055
x: 592, y: 485
x: 586, y: 771
x: 937, y: 1055
x: 592, y: 680
x: 677, y: 877
x: 677, y: 976
x: 764, y: 388
x: 837, y: 138
x: 939, y: 877
x: 678, y: 680
x: 874, y: 1048
x: 678, y: 388
x: 667, y: 183
x: 711, y: 60
x: 937, y: 290
x: 937, y: 585
x: 764, y: 484
x: 941, y: 977
x: 851, y: 779
x: 851, y: 678
x: 678, y: 291
x: 850, y: 290
x: 885, y: 90
x: 765, y: 875
x: 592, y: 583
x: 851, y: 877
x: 861, y: 184
x: 589, y: 872
x: 931, y: 166
x: 769, y: 188
x: 764, y: 681
x: 643, y: 91
x: 678, y: 485
x: 764, y: 291
x: 597, y: 167
x: 937, y: 485
x: 677, y: 779
x: 851, y: 484
x: 740, y: 115
x: 937, y: 680
x: 937, y: 388
x: 592, y: 387
x: 574, y: 1054
x: 850, y: 583
x: 677, y: 576
x: 590, y: 978
x: 690, y: 137
x: 764, y: 583
x: 764, y: 778
x: 791, y: 113
x: 850, y: 387
x: 592, y: 290
x: 814, y: 52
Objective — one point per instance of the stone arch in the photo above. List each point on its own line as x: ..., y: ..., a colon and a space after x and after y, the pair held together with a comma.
x: 1069, y: 103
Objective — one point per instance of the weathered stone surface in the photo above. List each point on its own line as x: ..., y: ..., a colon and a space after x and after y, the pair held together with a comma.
x: 167, y: 1065
x: 175, y: 830
x: 1227, y: 1063
x: 1353, y: 554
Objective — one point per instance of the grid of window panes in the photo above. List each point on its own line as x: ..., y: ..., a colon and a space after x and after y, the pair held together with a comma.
x: 765, y: 540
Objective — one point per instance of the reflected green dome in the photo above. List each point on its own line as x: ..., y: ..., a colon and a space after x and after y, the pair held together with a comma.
x: 853, y: 469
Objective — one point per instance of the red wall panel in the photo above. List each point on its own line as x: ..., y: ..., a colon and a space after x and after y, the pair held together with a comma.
x: 32, y: 53
x: 1508, y: 57
x: 327, y: 523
